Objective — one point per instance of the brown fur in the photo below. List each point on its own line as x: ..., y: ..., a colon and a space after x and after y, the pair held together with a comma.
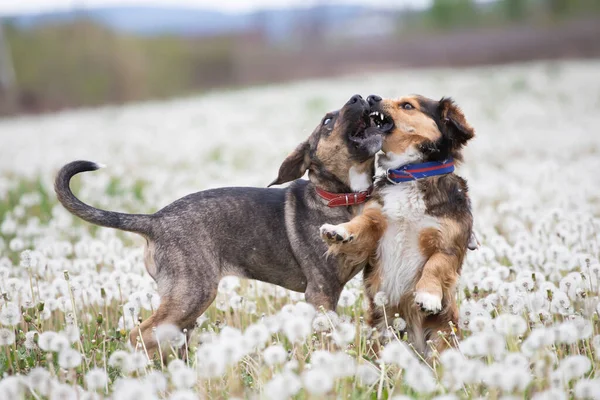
x: 429, y: 129
x: 369, y: 226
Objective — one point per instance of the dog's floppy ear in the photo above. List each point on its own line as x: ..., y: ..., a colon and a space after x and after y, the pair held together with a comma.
x: 453, y: 120
x: 295, y: 165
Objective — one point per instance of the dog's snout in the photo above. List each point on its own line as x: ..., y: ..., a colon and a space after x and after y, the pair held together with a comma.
x: 355, y: 99
x: 372, y: 99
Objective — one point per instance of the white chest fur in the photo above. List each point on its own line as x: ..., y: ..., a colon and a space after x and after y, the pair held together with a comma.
x: 401, y: 259
x: 359, y: 181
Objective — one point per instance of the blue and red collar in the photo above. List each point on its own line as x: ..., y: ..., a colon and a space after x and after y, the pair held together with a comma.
x: 412, y: 172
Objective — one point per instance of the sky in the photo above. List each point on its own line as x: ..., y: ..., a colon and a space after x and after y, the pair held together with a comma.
x: 14, y: 7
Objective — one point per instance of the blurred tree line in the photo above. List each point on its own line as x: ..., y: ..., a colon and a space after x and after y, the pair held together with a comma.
x: 445, y: 14
x: 81, y: 63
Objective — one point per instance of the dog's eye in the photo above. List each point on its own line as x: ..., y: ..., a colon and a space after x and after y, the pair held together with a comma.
x: 326, y: 121
x: 407, y: 106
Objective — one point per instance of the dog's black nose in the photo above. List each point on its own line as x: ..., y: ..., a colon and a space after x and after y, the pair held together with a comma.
x: 372, y: 99
x: 355, y: 99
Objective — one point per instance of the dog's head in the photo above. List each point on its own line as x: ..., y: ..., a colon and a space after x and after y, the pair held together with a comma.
x: 339, y: 153
x: 418, y: 129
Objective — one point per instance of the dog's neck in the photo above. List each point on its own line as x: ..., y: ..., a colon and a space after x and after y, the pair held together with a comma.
x: 391, y: 160
x: 329, y: 182
x: 354, y: 181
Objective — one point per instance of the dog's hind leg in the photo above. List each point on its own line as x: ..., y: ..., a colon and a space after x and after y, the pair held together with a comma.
x: 181, y: 308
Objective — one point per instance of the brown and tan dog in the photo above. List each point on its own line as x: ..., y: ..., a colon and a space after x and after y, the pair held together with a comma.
x: 415, y: 229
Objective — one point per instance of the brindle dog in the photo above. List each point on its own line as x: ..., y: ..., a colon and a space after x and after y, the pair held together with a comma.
x: 256, y: 233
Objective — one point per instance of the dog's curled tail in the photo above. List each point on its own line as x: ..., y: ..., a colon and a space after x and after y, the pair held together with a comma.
x: 137, y: 223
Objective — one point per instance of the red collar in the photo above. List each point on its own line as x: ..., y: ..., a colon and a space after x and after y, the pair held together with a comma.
x: 344, y: 199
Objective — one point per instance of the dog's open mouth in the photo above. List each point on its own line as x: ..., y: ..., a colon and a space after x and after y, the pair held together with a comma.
x: 382, y: 121
x: 367, y: 136
x: 361, y: 127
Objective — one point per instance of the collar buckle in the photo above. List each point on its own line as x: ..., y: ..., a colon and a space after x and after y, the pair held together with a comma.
x: 387, y: 176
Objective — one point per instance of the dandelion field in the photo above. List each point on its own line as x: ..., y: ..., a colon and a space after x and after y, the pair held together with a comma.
x: 529, y: 297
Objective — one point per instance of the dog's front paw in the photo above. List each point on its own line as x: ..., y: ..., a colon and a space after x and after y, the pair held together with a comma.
x: 333, y: 234
x: 429, y: 303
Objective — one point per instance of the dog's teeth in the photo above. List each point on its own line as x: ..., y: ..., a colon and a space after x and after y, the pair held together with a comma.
x: 381, y: 116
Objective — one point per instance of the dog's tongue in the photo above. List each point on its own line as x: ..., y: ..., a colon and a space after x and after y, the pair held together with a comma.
x: 372, y: 130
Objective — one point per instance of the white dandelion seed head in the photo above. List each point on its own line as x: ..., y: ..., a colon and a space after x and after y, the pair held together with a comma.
x: 517, y: 379
x: 283, y: 386
x: 71, y: 332
x: 69, y: 358
x: 318, y: 381
x: 321, y: 358
x: 10, y: 315
x: 398, y: 353
x: 367, y: 374
x: 347, y: 298
x: 420, y: 379
x: 169, y: 335
x: 321, y: 323
x: 257, y: 335
x: 132, y: 389
x: 344, y: 334
x: 96, y: 379
x: 59, y: 343
x: 274, y: 355
x: 490, y: 344
x: 16, y: 244
x: 30, y: 340
x: 297, y: 329
x: 399, y: 324
x: 236, y: 302
x: 561, y: 304
x: 185, y: 394
x: 587, y: 389
x: 210, y: 360
x: 63, y: 391
x: 584, y: 327
x: 303, y: 310
x: 121, y: 360
x: 250, y: 307
x: 480, y: 324
x: 183, y: 377
x: 380, y: 299
x: 40, y: 381
x: 342, y: 365
x: 234, y: 350
x: 156, y: 380
x: 45, y: 340
x: 452, y: 359
x: 566, y: 333
x: 574, y: 367
x: 229, y: 284
x: 138, y: 362
x: 7, y: 337
x: 550, y: 394
x: 273, y: 323
x: 176, y: 364
x: 510, y: 325
x: 471, y: 371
